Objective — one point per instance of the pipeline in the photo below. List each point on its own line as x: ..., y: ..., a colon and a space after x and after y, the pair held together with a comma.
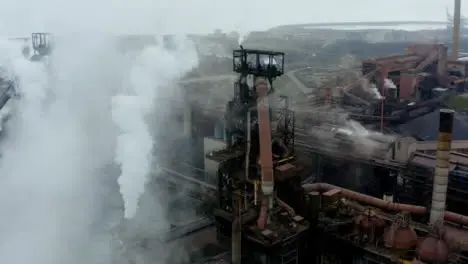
x: 441, y: 173
x: 458, y: 81
x: 247, y: 154
x: 248, y: 144
x: 266, y: 161
x: 262, y: 219
x: 379, y: 203
x: 286, y: 207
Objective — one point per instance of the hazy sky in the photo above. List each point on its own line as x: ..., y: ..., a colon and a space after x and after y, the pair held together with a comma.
x: 24, y: 16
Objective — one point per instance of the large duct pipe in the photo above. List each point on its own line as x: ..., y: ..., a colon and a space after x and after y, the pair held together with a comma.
x: 266, y: 160
x: 441, y: 175
x: 454, y: 235
x: 379, y: 203
x: 456, y: 30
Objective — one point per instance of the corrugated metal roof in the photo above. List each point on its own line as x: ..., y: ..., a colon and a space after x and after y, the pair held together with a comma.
x: 424, y: 160
x: 426, y: 127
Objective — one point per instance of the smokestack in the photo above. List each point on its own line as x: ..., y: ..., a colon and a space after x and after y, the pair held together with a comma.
x: 456, y: 29
x: 444, y: 142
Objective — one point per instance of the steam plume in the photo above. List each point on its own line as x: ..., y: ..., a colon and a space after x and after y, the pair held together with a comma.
x: 152, y: 76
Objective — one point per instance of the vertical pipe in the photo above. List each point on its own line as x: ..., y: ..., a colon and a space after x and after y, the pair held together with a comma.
x: 444, y: 142
x: 236, y: 235
x: 390, y: 184
x: 442, y: 65
x: 456, y: 30
x: 255, y: 192
x: 247, y: 147
x: 266, y: 159
x: 247, y: 154
x: 383, y: 76
x: 187, y: 120
x: 224, y: 130
x: 218, y: 131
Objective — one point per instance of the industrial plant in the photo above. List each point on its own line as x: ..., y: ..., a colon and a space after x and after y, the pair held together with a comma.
x: 341, y: 175
x: 336, y: 177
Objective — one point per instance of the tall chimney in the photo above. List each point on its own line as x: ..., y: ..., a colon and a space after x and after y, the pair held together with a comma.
x: 456, y: 29
x: 441, y: 174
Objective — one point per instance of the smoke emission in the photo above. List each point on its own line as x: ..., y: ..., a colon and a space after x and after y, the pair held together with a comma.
x: 53, y: 185
x: 59, y: 186
x: 151, y: 77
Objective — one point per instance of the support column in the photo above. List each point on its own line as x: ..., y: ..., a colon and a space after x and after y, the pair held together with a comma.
x: 219, y: 130
x: 188, y: 119
x: 236, y: 235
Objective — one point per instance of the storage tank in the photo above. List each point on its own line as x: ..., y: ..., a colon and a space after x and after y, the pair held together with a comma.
x: 433, y: 249
x: 369, y: 225
x: 401, y: 236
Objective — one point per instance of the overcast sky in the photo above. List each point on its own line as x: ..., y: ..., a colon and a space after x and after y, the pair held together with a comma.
x: 176, y: 16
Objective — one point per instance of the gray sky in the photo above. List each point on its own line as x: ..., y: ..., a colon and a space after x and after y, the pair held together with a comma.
x: 19, y: 17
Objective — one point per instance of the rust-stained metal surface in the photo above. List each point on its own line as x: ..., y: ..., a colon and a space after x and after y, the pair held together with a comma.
x: 433, y: 249
x: 400, y: 237
x: 453, y: 236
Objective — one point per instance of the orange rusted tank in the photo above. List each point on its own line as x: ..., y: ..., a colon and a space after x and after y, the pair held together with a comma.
x: 433, y: 249
x: 368, y: 222
x: 400, y: 238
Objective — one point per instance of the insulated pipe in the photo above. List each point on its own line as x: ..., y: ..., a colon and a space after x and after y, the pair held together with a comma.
x: 389, y: 206
x: 266, y: 159
x: 379, y: 203
x: 441, y: 173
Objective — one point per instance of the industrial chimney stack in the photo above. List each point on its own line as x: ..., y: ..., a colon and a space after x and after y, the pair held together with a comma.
x: 441, y: 175
x: 456, y: 30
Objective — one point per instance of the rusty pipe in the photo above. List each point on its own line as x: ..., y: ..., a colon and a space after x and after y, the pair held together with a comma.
x: 462, y: 80
x: 352, y: 195
x: 379, y: 203
x: 266, y: 160
x: 266, y: 156
x: 286, y: 207
x: 262, y: 219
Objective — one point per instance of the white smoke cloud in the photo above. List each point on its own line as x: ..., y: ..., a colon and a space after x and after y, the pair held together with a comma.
x: 54, y: 153
x: 152, y: 76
